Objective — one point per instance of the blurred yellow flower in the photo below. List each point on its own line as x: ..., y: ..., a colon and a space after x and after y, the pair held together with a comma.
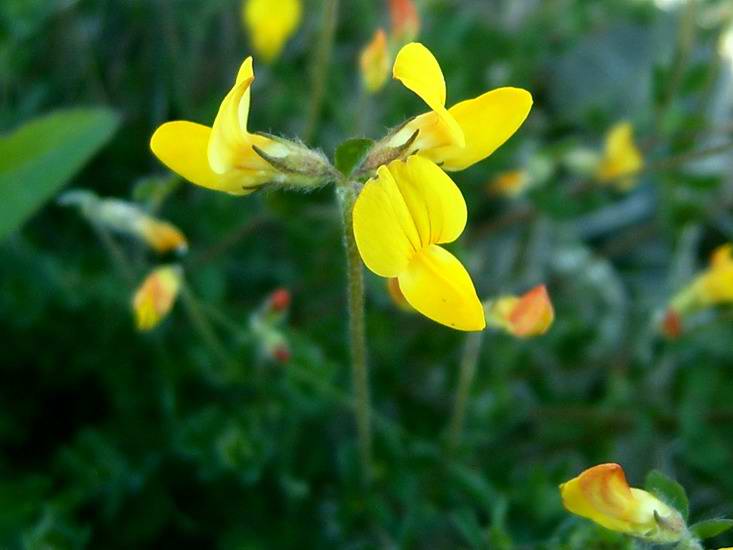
x: 523, y: 316
x: 270, y: 23
x: 511, y: 183
x: 374, y: 62
x: 405, y: 20
x: 602, y: 495
x: 466, y: 133
x: 155, y: 297
x: 621, y: 157
x: 400, y: 218
x: 227, y: 157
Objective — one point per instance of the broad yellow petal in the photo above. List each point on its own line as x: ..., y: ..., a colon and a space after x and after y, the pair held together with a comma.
x: 181, y: 146
x: 270, y: 23
x: 419, y: 71
x: 383, y: 227
x: 230, y: 141
x: 487, y: 122
x: 437, y: 285
x: 435, y: 203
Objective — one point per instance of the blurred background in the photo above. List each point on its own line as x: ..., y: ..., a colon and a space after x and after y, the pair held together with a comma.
x: 200, y: 434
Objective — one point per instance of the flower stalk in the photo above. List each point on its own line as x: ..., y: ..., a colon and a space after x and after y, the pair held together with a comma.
x: 467, y: 373
x: 347, y: 194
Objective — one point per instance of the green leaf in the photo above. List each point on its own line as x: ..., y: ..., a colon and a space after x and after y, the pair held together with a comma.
x: 38, y: 158
x: 711, y: 528
x: 668, y: 490
x: 351, y: 153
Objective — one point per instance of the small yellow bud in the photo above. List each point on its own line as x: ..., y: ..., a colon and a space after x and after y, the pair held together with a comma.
x: 602, y: 495
x: 374, y: 62
x: 270, y: 24
x: 523, y: 316
x: 161, y: 236
x: 156, y: 295
x: 509, y: 184
x: 621, y: 158
x: 711, y: 287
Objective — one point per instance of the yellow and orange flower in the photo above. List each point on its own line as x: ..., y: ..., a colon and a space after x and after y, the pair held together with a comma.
x: 621, y: 158
x: 405, y: 20
x: 400, y: 218
x: 523, y: 316
x: 463, y: 135
x: 154, y: 298
x: 602, y: 495
x: 374, y: 62
x: 270, y: 23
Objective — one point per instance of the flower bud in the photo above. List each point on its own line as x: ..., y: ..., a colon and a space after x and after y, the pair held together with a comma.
x: 523, y: 316
x: 279, y: 300
x: 374, y: 62
x: 509, y: 184
x: 602, y: 495
x: 405, y: 20
x: 155, y: 297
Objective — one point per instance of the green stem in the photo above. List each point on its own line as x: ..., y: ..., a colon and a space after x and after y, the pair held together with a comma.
x: 115, y: 253
x: 319, y: 69
x: 469, y: 361
x: 357, y: 338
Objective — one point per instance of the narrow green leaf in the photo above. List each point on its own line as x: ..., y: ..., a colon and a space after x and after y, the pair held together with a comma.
x: 669, y: 491
x: 38, y: 158
x: 711, y: 528
x: 351, y: 153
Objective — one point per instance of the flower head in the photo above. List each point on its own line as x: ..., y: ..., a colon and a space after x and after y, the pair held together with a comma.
x: 621, y: 157
x: 523, y: 316
x: 405, y: 20
x: 602, y: 495
x: 270, y: 23
x: 227, y: 157
x: 469, y: 131
x: 401, y: 217
x: 374, y: 62
x: 155, y: 297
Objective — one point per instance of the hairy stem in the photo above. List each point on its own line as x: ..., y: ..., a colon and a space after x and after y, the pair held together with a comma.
x: 469, y: 360
x: 357, y: 338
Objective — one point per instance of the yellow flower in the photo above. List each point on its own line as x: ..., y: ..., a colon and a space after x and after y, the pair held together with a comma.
x: 374, y: 62
x: 713, y: 286
x: 400, y: 218
x: 227, y: 157
x: 621, y: 157
x: 602, y: 495
x: 523, y: 316
x: 160, y: 235
x: 270, y: 23
x: 405, y: 20
x: 466, y: 133
x: 511, y: 183
x: 155, y: 297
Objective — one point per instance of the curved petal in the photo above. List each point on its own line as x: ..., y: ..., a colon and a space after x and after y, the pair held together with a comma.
x: 384, y: 230
x: 181, y: 146
x: 419, y: 71
x: 435, y: 203
x: 437, y: 285
x: 229, y: 131
x: 487, y: 122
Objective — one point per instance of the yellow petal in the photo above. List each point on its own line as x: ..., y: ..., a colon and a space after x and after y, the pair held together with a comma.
x: 229, y: 144
x: 722, y: 256
x: 374, y: 62
x: 487, y: 122
x: 419, y: 71
x: 437, y: 285
x: 621, y: 157
x: 384, y: 230
x: 270, y: 23
x: 533, y: 313
x: 156, y: 295
x: 434, y: 201
x: 181, y: 146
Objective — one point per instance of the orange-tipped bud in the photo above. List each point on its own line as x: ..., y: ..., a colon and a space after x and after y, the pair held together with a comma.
x: 672, y: 324
x: 405, y: 20
x: 374, y: 62
x: 156, y: 295
x: 279, y: 300
x: 393, y: 288
x: 602, y: 495
x: 523, y: 316
x: 161, y: 236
